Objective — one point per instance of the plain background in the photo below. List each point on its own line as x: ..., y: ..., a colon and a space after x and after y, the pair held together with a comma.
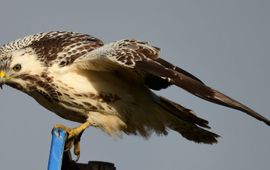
x: 225, y: 43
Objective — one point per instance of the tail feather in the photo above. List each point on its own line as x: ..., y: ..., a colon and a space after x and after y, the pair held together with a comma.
x: 193, y: 132
x: 182, y: 112
x: 185, y: 122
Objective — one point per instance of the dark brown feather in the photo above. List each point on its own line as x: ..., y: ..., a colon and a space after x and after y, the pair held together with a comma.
x: 195, y: 87
x: 71, y: 46
x: 179, y: 70
x: 182, y: 112
x: 185, y: 122
x: 155, y: 82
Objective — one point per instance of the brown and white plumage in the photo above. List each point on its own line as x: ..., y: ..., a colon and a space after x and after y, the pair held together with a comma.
x: 80, y: 79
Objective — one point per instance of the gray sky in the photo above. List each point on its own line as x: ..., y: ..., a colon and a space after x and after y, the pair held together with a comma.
x: 225, y: 43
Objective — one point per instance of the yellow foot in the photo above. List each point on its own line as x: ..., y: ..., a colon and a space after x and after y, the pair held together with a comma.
x: 74, y: 137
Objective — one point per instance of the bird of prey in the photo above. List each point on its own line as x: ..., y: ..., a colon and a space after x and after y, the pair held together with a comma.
x: 109, y: 86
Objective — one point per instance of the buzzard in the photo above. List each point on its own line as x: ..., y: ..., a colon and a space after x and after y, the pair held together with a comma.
x: 107, y: 86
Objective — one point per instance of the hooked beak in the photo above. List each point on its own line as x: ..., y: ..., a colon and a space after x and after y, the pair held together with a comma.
x: 2, y: 78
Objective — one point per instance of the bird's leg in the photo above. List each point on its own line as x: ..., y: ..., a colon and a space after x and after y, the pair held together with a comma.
x: 74, y: 136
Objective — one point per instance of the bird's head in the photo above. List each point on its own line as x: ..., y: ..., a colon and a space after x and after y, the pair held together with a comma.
x: 28, y: 60
x: 16, y: 65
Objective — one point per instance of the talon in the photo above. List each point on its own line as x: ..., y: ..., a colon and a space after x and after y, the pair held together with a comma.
x: 74, y: 137
x: 68, y: 145
x: 77, y: 151
x: 76, y: 144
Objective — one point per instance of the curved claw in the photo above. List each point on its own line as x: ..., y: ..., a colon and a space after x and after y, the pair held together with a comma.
x: 74, y: 137
x: 75, y: 142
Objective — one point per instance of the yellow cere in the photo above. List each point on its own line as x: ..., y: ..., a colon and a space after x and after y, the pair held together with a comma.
x: 2, y: 74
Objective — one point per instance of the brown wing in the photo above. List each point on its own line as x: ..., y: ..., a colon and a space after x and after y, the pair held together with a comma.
x: 62, y: 47
x: 157, y: 73
x: 156, y: 83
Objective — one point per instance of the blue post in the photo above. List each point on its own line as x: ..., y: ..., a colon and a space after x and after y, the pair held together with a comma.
x: 57, y: 149
x: 59, y: 159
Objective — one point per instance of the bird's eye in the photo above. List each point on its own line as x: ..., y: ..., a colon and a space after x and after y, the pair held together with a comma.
x: 17, y: 67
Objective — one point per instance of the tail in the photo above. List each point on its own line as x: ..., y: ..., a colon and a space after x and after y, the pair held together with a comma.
x: 185, y: 122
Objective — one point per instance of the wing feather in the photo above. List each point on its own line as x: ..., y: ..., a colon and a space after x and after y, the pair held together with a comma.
x: 144, y: 59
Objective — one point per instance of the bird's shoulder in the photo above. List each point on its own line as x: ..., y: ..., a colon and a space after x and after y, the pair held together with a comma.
x: 60, y: 47
x: 64, y: 47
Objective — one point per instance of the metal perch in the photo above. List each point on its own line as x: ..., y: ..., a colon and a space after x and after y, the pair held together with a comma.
x: 61, y: 160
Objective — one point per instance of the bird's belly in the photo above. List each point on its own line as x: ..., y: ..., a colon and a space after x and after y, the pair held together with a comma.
x: 83, y: 92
